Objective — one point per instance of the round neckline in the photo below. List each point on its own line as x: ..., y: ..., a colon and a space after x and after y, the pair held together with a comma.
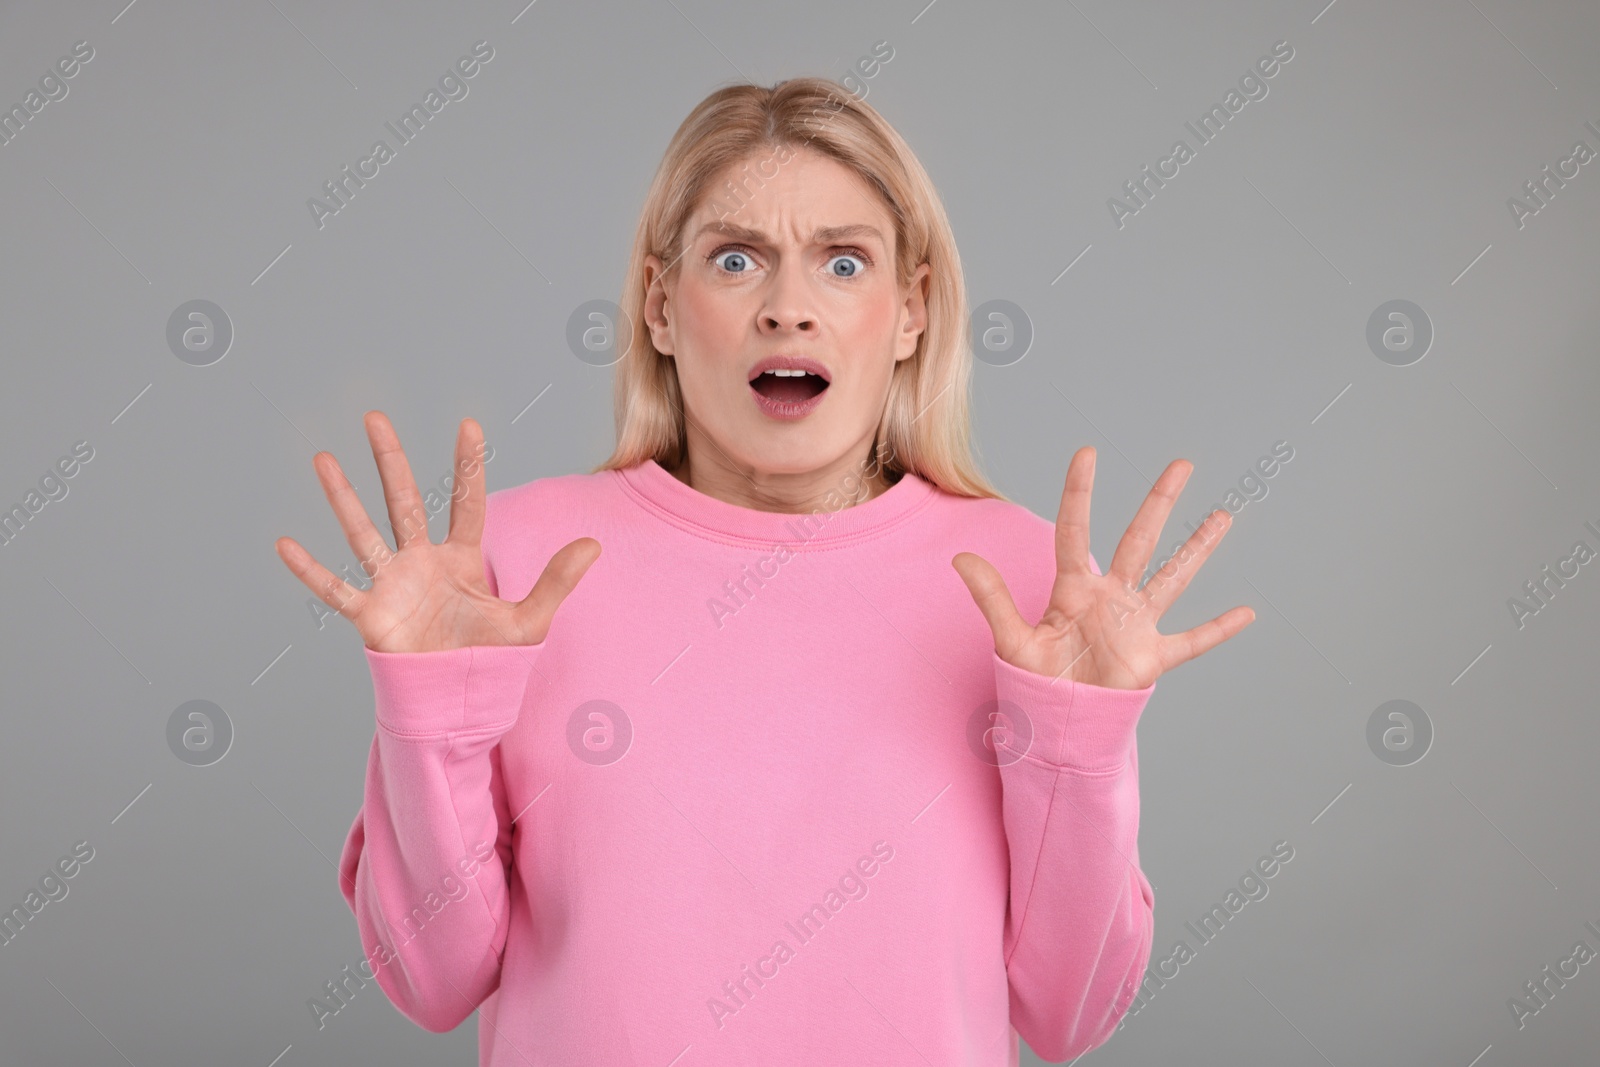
x: 660, y: 492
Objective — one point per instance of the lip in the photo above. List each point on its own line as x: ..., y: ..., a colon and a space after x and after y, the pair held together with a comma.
x: 777, y: 409
x: 787, y: 412
x: 782, y: 362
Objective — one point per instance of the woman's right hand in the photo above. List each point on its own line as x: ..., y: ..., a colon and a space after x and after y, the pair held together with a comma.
x: 427, y: 597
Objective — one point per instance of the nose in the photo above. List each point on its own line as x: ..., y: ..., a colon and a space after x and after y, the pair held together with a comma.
x: 788, y: 306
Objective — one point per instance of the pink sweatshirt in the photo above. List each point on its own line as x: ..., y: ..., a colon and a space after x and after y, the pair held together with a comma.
x: 752, y: 800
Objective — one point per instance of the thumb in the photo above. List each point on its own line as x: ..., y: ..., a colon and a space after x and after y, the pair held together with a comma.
x: 559, y: 577
x: 989, y: 591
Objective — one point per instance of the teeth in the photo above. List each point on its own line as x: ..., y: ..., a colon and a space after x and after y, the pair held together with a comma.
x: 787, y: 373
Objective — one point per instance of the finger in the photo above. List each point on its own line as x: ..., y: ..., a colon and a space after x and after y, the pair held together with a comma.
x: 359, y: 532
x: 559, y: 577
x: 1139, y: 542
x: 989, y: 591
x: 332, y: 590
x: 1175, y: 573
x: 407, y: 517
x: 1185, y: 646
x: 1072, y: 517
x: 467, y: 504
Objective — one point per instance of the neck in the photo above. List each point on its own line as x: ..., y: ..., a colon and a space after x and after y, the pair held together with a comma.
x: 854, y: 478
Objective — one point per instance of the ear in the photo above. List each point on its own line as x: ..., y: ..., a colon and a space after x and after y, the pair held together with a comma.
x: 914, y: 314
x: 656, y: 305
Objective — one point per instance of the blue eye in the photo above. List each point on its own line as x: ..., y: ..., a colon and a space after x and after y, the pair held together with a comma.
x: 845, y: 266
x: 731, y: 261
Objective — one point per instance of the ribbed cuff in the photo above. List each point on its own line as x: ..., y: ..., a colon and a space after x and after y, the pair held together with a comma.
x: 470, y: 688
x: 1074, y: 725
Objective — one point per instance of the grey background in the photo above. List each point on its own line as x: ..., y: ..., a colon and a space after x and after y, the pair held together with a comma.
x: 1228, y: 314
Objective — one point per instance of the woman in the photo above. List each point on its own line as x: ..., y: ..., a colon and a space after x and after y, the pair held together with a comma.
x: 771, y: 786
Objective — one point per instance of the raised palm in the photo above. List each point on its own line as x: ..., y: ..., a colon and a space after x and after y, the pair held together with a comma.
x: 1101, y: 628
x: 427, y: 597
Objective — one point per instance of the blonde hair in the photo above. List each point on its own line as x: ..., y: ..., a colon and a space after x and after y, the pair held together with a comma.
x: 926, y: 425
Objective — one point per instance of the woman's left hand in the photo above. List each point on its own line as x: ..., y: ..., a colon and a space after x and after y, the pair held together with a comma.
x: 1100, y: 629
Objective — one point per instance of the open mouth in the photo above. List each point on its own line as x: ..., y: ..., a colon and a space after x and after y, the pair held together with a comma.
x: 788, y: 386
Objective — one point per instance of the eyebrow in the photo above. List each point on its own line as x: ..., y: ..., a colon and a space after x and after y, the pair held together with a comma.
x: 823, y: 235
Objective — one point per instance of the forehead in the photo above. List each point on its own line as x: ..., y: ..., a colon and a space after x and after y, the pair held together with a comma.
x: 790, y: 200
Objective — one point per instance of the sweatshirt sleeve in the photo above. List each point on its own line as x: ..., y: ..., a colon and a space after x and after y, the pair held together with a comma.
x: 425, y: 866
x: 1081, y: 918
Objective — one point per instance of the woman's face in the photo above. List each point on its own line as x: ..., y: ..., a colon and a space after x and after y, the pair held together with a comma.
x: 802, y: 274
